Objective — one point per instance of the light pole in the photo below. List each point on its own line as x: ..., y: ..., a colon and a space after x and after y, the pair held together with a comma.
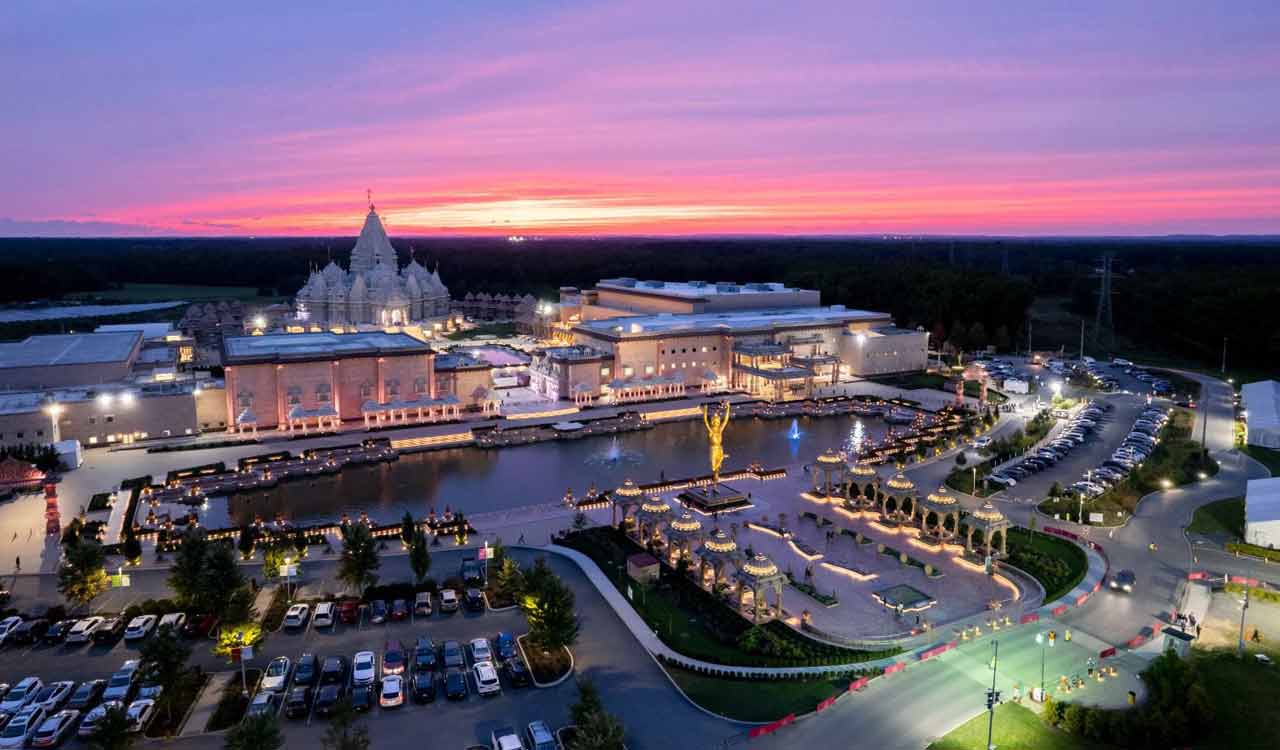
x: 1041, y: 639
x: 1224, y: 355
x: 993, y: 695
x: 1243, y: 608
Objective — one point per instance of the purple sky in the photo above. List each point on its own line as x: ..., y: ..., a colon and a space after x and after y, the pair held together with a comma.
x: 656, y: 116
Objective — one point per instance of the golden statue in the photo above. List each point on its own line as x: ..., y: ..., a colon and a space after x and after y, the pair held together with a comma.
x: 716, y: 420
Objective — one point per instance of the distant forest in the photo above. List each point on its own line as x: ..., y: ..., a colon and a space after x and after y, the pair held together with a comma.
x: 1176, y: 296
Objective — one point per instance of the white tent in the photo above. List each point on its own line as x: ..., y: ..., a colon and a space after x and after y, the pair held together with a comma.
x: 1262, y: 512
x: 1262, y: 402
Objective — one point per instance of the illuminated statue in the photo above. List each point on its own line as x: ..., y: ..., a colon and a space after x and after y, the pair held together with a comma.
x: 716, y: 420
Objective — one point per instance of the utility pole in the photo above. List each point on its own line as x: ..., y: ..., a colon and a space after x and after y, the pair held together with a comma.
x: 1224, y: 355
x: 993, y: 695
x: 1082, y: 338
x: 1243, y: 609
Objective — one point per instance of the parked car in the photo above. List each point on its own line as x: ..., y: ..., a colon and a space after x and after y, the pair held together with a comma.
x: 19, y: 729
x: 265, y: 702
x: 448, y: 600
x: 296, y: 616
x: 480, y: 650
x: 83, y: 630
x: 122, y: 683
x: 334, y: 671
x: 7, y: 626
x: 140, y: 714
x: 475, y: 600
x: 328, y: 698
x: 505, y: 738
x: 487, y: 682
x: 453, y: 655
x: 200, y: 626
x: 394, y: 658
x: 324, y: 616
x: 307, y: 670
x: 377, y: 611
x: 364, y: 668
x: 455, y: 684
x: 175, y: 621
x: 392, y: 693
x: 276, y: 677
x: 57, y: 632
x: 362, y: 697
x: 55, y: 728
x: 424, y: 653
x: 87, y: 695
x: 399, y: 610
x: 540, y: 736
x: 504, y: 645
x: 89, y: 724
x: 424, y: 685
x: 54, y: 695
x: 29, y: 631
x: 109, y: 631
x: 422, y: 604
x: 21, y: 694
x: 517, y: 672
x: 349, y: 611
x: 139, y: 627
x: 298, y: 702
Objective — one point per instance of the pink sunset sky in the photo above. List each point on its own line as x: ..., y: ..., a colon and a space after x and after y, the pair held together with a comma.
x: 655, y: 117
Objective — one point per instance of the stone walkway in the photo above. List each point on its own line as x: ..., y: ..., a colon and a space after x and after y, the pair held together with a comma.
x: 207, y: 702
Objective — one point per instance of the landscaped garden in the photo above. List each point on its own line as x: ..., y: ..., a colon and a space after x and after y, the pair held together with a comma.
x: 1056, y: 563
x: 1265, y: 456
x: 695, y: 623
x: 757, y: 700
x: 1220, y: 518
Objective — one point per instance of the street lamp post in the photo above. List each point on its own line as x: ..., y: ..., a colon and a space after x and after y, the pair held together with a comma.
x: 1243, y: 608
x: 993, y: 695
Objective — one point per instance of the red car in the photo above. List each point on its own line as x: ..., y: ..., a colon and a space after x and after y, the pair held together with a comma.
x: 199, y: 626
x: 348, y: 611
x: 400, y: 609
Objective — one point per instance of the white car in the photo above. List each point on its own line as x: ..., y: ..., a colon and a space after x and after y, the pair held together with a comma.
x: 480, y: 650
x: 982, y: 442
x: 173, y: 621
x: 91, y: 720
x: 21, y: 727
x: 82, y: 631
x: 54, y: 695
x: 487, y: 682
x: 296, y: 617
x: 324, y: 614
x: 392, y: 695
x: 505, y: 739
x: 448, y: 600
x: 364, y: 668
x: 140, y: 714
x: 21, y: 694
x: 277, y: 675
x: 8, y: 625
x: 55, y: 728
x: 140, y: 627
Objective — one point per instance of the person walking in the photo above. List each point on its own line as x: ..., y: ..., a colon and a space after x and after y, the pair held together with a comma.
x: 17, y: 562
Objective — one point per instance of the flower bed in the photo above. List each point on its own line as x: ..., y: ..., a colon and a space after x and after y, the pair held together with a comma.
x: 826, y: 600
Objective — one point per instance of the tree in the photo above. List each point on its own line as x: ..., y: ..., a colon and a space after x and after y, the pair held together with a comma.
x: 184, y: 574
x: 358, y: 566
x: 248, y: 538
x: 509, y: 580
x: 71, y: 534
x: 549, y: 608
x: 131, y: 547
x: 257, y: 732
x: 82, y: 576
x: 406, y: 528
x: 579, y: 521
x: 599, y: 730
x: 345, y: 731
x: 588, y: 702
x: 219, y: 580
x: 419, y: 555
x: 960, y: 459
x: 273, y: 555
x: 163, y: 661
x: 114, y: 731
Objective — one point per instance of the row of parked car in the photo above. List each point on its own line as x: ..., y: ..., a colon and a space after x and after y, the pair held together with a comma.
x: 1078, y: 430
x: 379, y: 611
x: 44, y: 715
x: 101, y: 629
x: 391, y: 678
x: 1136, y: 448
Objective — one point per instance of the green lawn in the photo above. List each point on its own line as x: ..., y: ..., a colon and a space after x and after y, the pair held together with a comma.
x: 1265, y: 456
x: 1016, y: 728
x: 134, y: 293
x: 1221, y: 517
x: 1056, y: 563
x: 1245, y: 696
x: 756, y: 700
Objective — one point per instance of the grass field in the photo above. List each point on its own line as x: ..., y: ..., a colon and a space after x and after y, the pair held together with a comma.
x: 1221, y: 517
x: 1056, y: 563
x: 756, y: 700
x: 1016, y: 728
x: 1245, y: 695
x: 1265, y: 456
x: 165, y: 292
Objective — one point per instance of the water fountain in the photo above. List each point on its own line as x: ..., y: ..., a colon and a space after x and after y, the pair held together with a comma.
x: 795, y: 433
x: 615, y: 455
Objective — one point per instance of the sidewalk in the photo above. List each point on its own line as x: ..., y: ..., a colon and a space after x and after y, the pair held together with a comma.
x: 206, y: 703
